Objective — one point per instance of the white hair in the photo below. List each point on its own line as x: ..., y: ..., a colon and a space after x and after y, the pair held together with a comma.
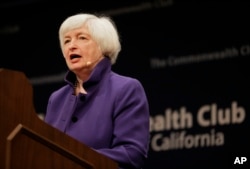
x: 102, y: 29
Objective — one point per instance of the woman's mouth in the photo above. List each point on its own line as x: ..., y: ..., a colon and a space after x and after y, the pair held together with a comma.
x: 73, y: 56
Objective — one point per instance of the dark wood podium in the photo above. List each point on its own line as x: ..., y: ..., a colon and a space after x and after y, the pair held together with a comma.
x: 26, y: 142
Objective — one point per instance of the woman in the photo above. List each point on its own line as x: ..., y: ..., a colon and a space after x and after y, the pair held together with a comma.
x: 98, y: 107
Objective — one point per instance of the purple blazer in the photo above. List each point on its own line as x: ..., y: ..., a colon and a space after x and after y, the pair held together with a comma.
x: 112, y: 118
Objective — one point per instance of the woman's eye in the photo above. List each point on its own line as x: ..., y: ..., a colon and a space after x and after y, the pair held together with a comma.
x: 66, y: 41
x: 82, y: 37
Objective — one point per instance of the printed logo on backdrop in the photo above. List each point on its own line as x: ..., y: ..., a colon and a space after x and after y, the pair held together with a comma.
x: 229, y: 52
x: 179, y: 122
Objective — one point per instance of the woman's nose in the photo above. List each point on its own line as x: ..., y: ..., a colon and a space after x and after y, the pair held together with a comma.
x: 72, y: 45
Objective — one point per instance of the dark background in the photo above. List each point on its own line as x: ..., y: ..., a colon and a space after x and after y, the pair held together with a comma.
x: 148, y: 29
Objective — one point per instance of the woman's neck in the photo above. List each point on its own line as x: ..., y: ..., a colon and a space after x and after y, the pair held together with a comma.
x: 79, y: 87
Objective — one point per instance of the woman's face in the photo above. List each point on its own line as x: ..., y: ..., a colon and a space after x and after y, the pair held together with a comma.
x: 80, y: 50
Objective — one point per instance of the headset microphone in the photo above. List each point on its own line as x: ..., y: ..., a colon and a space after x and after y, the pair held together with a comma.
x: 88, y: 63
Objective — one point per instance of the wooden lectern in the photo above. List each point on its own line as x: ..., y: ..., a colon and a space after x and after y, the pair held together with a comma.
x: 26, y: 142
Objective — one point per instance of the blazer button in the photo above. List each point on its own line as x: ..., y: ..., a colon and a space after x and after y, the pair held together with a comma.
x: 74, y: 119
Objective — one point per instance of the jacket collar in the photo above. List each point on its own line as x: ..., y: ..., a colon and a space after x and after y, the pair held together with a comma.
x: 97, y: 74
